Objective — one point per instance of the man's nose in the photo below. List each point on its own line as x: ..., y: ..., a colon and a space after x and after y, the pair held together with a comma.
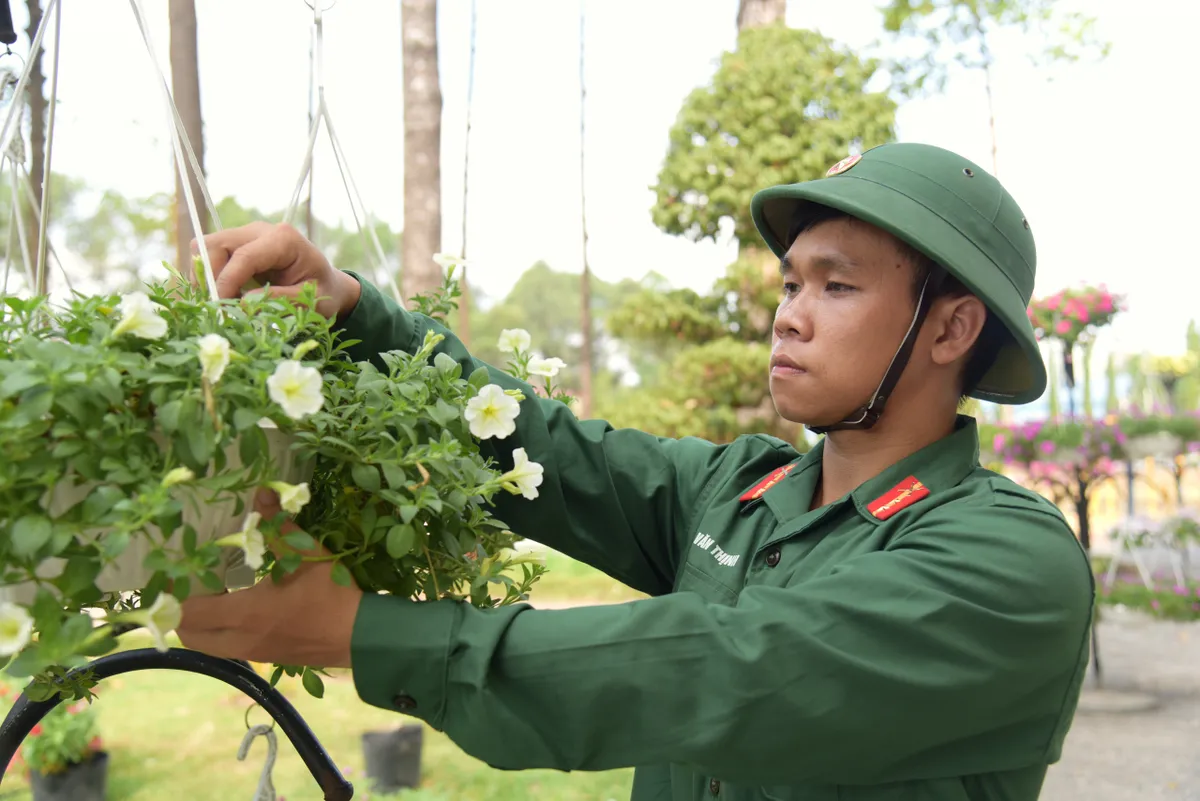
x: 793, y: 319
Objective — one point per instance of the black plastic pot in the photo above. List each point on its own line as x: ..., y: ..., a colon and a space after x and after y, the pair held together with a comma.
x: 393, y: 758
x: 86, y: 781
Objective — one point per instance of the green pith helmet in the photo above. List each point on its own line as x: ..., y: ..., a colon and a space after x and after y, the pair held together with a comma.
x: 956, y: 214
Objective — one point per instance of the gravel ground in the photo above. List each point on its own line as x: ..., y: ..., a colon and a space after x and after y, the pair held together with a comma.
x: 1139, y: 754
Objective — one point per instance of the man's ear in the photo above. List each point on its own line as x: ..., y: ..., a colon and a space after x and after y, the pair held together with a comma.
x: 959, y: 323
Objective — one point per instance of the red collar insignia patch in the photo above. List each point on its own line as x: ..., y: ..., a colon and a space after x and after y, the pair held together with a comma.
x: 906, y: 493
x: 756, y: 492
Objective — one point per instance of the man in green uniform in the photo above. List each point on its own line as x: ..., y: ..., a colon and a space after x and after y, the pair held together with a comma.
x: 878, y: 619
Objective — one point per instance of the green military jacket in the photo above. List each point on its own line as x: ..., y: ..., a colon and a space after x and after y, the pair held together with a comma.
x: 922, y: 639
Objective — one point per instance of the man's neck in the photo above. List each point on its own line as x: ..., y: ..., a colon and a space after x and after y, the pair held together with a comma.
x: 851, y: 458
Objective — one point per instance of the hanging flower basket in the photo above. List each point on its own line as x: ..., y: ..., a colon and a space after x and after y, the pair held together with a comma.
x: 1070, y: 313
x: 136, y: 431
x: 1156, y: 445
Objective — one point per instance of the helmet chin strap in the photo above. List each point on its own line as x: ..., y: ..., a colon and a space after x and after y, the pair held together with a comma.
x: 866, y: 416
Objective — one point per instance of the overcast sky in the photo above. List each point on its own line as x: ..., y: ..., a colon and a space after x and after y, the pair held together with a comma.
x: 1095, y: 156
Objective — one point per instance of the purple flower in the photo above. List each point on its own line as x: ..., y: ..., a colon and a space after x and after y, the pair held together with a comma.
x: 1156, y: 604
x: 1047, y: 446
x: 1181, y: 590
x: 998, y: 442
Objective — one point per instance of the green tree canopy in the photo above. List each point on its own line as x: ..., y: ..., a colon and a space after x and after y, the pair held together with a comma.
x: 783, y: 107
x: 952, y: 33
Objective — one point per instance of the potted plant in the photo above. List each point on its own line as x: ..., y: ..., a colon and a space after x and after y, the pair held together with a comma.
x: 136, y: 430
x: 63, y: 756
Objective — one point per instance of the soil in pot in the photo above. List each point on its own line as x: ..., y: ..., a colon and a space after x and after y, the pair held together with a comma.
x: 86, y: 781
x: 393, y: 758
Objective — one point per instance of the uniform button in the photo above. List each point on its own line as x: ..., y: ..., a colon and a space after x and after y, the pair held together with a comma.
x: 714, y: 786
x: 773, y: 556
x: 404, y: 702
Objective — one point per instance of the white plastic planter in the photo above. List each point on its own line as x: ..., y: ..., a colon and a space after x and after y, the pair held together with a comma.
x: 1159, y: 445
x: 211, y: 520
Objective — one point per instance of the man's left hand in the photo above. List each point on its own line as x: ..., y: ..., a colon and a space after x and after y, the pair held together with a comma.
x: 305, y: 619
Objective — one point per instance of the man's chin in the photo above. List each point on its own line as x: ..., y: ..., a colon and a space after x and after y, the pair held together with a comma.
x: 804, y: 414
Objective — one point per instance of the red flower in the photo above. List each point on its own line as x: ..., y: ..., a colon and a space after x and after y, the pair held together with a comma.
x: 37, y: 729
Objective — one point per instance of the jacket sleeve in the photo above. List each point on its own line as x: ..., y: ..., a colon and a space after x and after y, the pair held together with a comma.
x: 953, y: 635
x: 611, y: 498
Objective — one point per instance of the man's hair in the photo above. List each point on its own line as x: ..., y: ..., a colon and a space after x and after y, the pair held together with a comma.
x: 945, y: 284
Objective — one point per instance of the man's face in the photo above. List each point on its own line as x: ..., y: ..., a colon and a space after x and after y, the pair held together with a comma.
x: 847, y: 302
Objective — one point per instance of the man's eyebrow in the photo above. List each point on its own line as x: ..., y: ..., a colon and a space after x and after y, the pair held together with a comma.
x: 825, y: 261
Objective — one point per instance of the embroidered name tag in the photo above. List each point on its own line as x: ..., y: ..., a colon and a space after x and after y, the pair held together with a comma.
x: 904, y: 494
x: 707, y: 544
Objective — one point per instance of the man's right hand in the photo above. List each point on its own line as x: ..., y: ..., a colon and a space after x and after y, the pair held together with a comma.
x: 280, y: 256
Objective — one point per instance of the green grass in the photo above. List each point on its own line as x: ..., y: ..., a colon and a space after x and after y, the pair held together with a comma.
x: 175, y: 735
x: 567, y: 580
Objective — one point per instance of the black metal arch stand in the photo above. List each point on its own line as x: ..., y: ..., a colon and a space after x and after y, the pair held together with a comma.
x: 26, y: 714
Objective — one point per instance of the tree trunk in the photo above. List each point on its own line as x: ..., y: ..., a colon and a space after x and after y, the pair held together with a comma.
x: 35, y: 92
x: 760, y: 13
x: 185, y: 86
x: 422, y: 238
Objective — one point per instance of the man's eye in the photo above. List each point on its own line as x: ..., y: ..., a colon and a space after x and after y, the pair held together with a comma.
x: 790, y: 288
x: 834, y: 286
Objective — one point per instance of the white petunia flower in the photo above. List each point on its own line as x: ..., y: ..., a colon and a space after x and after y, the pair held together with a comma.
x: 250, y: 540
x: 547, y: 367
x: 162, y: 618
x: 214, y: 356
x: 16, y: 627
x: 140, y: 317
x: 296, y: 388
x: 179, y: 475
x: 292, y: 497
x: 513, y: 340
x: 525, y: 477
x: 492, y: 413
x: 448, y: 260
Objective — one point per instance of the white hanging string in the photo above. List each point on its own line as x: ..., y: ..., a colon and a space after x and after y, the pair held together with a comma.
x: 44, y: 215
x: 9, y: 130
x: 178, y: 138
x: 366, y: 231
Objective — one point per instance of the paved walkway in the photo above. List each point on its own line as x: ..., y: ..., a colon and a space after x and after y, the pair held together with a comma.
x: 1145, y: 754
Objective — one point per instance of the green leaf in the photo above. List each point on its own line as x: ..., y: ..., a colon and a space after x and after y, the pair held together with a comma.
x: 168, y: 416
x: 252, y: 445
x: 276, y: 675
x: 408, y: 512
x: 33, y: 406
x: 78, y: 574
x: 300, y: 540
x: 445, y: 362
x: 313, y: 684
x: 395, y: 475
x: 443, y: 413
x: 480, y: 377
x: 114, y: 543
x: 341, y: 575
x: 18, y: 382
x: 29, y: 534
x: 400, y: 540
x: 244, y: 418
x: 365, y: 476
x: 100, y: 502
